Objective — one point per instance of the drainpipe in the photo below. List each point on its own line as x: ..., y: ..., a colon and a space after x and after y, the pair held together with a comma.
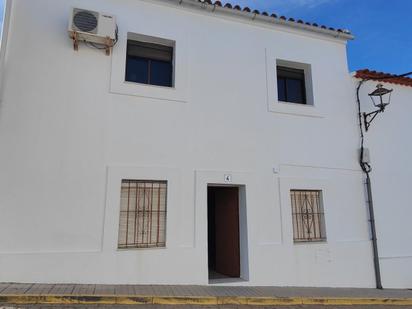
x: 366, y: 168
x: 373, y: 231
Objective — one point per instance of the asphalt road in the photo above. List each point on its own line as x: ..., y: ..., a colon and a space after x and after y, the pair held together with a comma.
x: 194, y: 307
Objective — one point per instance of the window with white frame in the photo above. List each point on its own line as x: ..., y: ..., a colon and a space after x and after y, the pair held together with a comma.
x: 142, y: 214
x: 308, y: 216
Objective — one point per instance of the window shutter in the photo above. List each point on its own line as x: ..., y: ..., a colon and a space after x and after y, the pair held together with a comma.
x: 150, y: 51
x: 291, y: 73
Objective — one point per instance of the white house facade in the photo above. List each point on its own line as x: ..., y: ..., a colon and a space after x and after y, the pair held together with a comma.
x: 209, y: 145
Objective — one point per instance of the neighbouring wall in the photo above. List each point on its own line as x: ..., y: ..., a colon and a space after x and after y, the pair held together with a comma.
x: 391, y: 150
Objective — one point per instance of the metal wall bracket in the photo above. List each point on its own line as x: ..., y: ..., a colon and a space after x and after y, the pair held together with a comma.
x: 369, y: 117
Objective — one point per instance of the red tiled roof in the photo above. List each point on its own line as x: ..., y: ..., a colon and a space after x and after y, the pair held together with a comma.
x: 384, y: 77
x: 274, y: 16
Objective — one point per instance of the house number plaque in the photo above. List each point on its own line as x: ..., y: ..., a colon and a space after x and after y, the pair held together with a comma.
x: 228, y: 178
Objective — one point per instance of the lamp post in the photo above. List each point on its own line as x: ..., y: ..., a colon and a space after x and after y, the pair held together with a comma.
x: 381, y: 97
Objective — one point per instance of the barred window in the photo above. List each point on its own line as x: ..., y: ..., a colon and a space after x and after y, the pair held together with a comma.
x: 308, y: 216
x: 142, y: 214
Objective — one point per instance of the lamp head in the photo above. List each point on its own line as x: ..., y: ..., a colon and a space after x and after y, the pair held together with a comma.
x: 381, y: 97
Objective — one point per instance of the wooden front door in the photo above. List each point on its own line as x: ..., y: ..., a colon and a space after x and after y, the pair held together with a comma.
x: 227, y: 231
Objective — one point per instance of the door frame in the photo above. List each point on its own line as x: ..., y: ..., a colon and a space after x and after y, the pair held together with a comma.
x: 224, y: 252
x: 247, y: 182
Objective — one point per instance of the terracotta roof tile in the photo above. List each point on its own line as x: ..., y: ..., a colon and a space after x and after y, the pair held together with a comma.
x: 384, y: 77
x: 273, y: 15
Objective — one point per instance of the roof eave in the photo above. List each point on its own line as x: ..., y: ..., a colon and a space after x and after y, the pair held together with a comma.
x: 267, y: 19
x: 383, y: 77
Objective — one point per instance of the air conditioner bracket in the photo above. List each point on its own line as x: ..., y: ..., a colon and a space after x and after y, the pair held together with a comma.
x: 75, y: 39
x: 107, y: 45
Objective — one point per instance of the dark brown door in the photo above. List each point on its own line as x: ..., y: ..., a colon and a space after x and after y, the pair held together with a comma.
x: 227, y: 231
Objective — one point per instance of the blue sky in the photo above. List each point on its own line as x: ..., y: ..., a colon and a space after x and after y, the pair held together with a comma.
x: 382, y: 27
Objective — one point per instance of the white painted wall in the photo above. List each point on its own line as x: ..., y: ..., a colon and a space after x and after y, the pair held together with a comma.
x: 71, y: 129
x: 391, y: 151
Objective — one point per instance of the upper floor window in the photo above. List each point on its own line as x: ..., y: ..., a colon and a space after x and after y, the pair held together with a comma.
x: 291, y: 85
x: 149, y: 63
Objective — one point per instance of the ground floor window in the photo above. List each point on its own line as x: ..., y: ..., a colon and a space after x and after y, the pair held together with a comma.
x: 142, y: 214
x: 308, y: 216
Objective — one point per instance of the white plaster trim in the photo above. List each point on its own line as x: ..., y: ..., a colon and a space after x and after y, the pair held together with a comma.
x: 244, y: 180
x: 177, y: 93
x: 306, y: 110
x: 290, y: 183
x: 395, y: 257
x: 3, y: 45
x: 115, y: 175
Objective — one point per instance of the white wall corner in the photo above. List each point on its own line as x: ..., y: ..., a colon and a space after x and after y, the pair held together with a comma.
x: 3, y: 47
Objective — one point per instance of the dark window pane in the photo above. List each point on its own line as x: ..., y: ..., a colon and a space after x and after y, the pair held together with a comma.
x: 295, y: 91
x: 291, y: 85
x: 137, y: 70
x: 161, y: 73
x: 149, y: 63
x: 281, y: 89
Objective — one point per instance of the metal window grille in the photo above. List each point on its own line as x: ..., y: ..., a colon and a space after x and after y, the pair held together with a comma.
x: 142, y: 214
x: 308, y: 216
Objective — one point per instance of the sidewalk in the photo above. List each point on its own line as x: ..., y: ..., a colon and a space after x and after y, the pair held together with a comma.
x: 13, y: 293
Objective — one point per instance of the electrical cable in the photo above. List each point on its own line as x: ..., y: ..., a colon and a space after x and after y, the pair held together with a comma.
x: 101, y: 46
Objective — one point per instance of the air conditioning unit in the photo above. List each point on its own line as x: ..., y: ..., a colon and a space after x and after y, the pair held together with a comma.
x: 93, y: 27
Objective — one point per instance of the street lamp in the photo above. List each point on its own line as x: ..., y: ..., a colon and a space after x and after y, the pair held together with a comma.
x: 381, y: 97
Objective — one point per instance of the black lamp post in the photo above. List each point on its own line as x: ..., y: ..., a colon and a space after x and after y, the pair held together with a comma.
x: 381, y: 97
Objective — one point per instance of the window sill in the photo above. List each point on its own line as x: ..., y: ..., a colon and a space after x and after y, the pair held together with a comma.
x: 149, y: 85
x: 296, y: 109
x: 148, y: 91
x: 315, y: 242
x: 140, y: 249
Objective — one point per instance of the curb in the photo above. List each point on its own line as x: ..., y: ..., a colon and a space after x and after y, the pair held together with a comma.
x: 209, y: 300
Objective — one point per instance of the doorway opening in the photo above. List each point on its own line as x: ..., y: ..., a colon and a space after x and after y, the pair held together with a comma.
x: 227, y: 240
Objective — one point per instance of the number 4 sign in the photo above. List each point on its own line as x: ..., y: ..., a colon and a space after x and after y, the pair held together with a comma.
x: 228, y: 178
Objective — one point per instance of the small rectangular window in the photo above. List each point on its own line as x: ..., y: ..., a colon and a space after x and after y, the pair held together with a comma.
x: 149, y: 63
x: 142, y: 214
x: 291, y: 85
x: 308, y: 216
